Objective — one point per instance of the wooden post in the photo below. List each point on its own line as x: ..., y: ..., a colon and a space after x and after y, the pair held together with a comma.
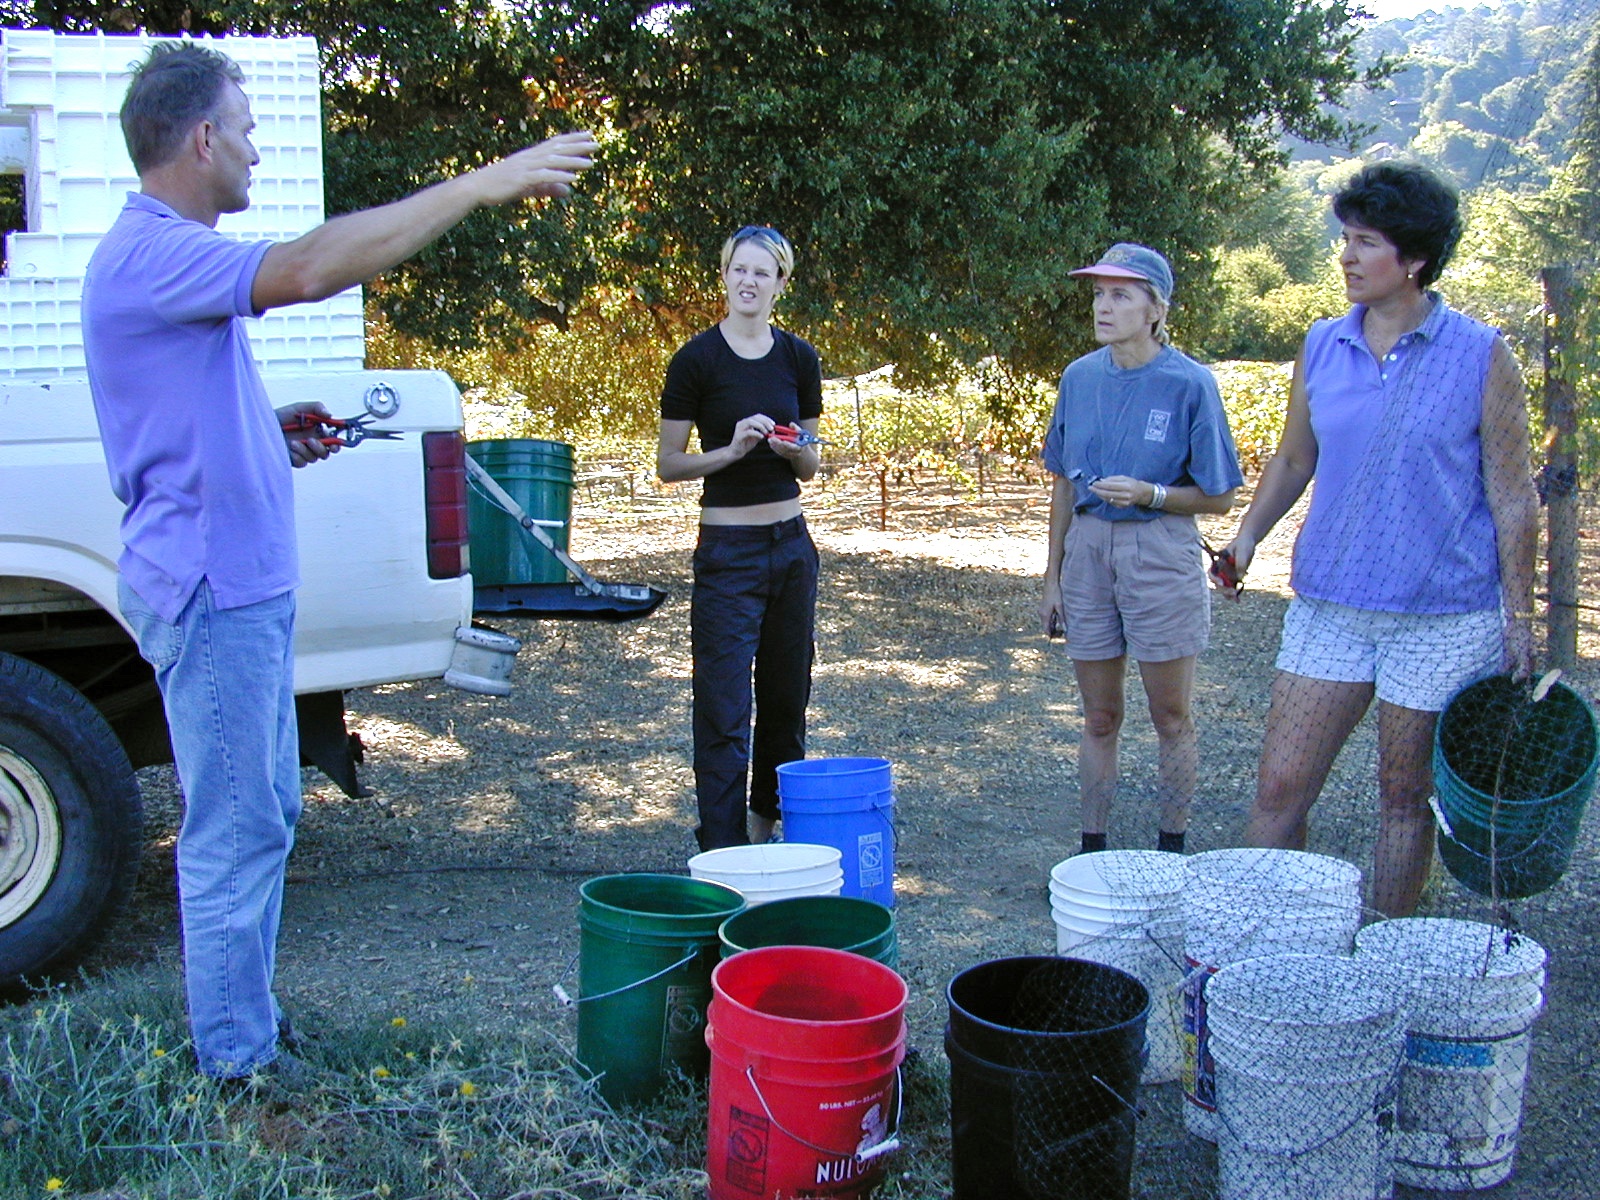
x: 1560, y: 473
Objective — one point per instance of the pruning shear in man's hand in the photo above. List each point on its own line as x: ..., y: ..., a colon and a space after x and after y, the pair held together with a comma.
x: 1225, y: 570
x: 796, y: 436
x: 353, y: 430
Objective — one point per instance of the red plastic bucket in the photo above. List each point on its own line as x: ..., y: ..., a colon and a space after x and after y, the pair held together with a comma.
x: 806, y: 1045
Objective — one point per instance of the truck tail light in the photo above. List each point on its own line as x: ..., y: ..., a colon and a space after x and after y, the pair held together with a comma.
x: 444, y: 461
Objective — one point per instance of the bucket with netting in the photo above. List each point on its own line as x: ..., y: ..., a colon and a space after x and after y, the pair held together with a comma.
x: 1045, y: 1055
x: 1512, y: 776
x: 1306, y: 1050
x: 1472, y: 994
x: 773, y: 871
x: 1122, y: 908
x: 1248, y: 903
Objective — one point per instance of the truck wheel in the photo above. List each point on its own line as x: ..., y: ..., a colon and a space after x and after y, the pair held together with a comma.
x: 71, y: 822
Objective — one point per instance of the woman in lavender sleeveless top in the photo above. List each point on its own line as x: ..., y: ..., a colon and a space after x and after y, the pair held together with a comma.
x: 1413, y: 570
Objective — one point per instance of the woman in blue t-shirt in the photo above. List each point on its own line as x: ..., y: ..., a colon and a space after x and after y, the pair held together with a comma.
x: 745, y: 384
x: 1413, y: 571
x: 1139, y: 444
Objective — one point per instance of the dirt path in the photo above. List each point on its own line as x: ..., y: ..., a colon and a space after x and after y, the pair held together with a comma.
x: 455, y: 887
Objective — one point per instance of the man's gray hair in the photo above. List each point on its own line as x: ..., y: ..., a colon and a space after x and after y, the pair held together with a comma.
x: 178, y: 85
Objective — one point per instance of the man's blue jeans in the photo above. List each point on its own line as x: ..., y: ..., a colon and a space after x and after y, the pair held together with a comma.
x: 227, y: 680
x: 754, y: 605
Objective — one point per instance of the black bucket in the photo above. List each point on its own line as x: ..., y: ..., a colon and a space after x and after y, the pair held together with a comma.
x: 1045, y: 1055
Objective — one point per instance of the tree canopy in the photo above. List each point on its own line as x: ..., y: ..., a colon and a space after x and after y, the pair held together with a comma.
x: 938, y: 165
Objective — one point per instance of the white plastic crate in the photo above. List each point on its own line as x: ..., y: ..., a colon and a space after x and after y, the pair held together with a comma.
x: 69, y: 89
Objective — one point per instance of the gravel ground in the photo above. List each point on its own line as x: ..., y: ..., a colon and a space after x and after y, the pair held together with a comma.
x: 455, y: 885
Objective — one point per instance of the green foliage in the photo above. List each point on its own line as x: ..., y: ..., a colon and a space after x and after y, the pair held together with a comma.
x: 1490, y: 94
x: 98, y: 1091
x: 936, y: 166
x: 1255, y: 396
x: 12, y: 214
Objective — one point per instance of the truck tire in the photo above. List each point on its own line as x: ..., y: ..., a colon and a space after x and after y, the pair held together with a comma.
x: 71, y: 823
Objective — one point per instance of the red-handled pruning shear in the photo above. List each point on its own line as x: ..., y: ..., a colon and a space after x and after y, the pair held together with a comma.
x: 354, y: 429
x: 796, y: 436
x: 1224, y: 570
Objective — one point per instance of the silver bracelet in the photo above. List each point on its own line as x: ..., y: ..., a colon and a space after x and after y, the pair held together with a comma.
x: 1158, y: 498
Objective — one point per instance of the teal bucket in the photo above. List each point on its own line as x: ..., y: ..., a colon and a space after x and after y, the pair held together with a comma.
x: 834, y: 922
x: 648, y: 944
x: 1513, y: 777
x: 847, y: 803
x: 538, y: 476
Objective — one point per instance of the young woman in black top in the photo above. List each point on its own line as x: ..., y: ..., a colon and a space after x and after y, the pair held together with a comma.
x: 755, y: 568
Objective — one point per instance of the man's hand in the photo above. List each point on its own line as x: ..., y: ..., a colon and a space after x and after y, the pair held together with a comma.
x: 305, y: 444
x: 546, y: 170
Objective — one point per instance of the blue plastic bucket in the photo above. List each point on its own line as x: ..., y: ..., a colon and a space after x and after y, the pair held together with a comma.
x: 847, y: 803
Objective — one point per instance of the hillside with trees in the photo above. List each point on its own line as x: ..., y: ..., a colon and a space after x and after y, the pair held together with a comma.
x: 1494, y: 98
x: 1490, y: 94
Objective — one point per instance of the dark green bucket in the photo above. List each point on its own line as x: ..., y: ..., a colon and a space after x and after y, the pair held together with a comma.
x: 647, y: 947
x: 538, y: 476
x: 862, y: 927
x: 1513, y: 778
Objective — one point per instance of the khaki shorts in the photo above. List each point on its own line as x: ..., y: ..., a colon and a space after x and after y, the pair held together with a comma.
x: 1135, y: 587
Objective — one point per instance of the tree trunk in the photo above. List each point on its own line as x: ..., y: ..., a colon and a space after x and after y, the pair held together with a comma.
x: 1560, y: 473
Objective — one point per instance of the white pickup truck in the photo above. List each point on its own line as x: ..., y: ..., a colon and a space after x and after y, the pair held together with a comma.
x: 382, y: 527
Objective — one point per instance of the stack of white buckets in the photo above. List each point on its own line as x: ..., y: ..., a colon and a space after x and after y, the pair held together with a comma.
x: 772, y: 871
x: 1121, y: 908
x: 1321, y: 1076
x: 1244, y: 904
x: 1472, y: 993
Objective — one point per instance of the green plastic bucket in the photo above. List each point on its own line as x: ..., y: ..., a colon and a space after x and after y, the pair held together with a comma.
x: 1513, y: 777
x: 538, y: 476
x: 647, y: 946
x: 862, y: 927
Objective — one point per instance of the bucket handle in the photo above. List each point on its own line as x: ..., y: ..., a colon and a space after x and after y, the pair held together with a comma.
x: 1120, y: 1098
x: 568, y: 1000
x: 889, y: 1145
x: 1438, y: 815
x: 1386, y: 1097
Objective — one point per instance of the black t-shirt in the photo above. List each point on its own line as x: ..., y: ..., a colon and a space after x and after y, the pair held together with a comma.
x: 709, y: 384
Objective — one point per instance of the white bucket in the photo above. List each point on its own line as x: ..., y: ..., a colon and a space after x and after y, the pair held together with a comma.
x: 1150, y: 952
x: 1474, y: 992
x: 1286, y: 1138
x: 1120, y: 908
x: 1249, y: 903
x: 1302, y: 1013
x: 772, y: 871
x: 1112, y: 878
x: 1090, y: 917
x: 481, y: 661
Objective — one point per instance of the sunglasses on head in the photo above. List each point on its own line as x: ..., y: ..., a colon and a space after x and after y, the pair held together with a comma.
x: 765, y: 232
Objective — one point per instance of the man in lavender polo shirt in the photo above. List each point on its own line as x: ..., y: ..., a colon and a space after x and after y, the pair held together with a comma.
x: 197, y: 453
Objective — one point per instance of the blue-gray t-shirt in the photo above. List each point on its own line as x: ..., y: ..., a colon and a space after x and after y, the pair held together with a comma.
x: 1162, y: 422
x: 191, y: 439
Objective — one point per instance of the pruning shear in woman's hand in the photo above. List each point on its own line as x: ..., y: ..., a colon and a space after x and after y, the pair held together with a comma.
x: 796, y: 436
x: 1224, y: 570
